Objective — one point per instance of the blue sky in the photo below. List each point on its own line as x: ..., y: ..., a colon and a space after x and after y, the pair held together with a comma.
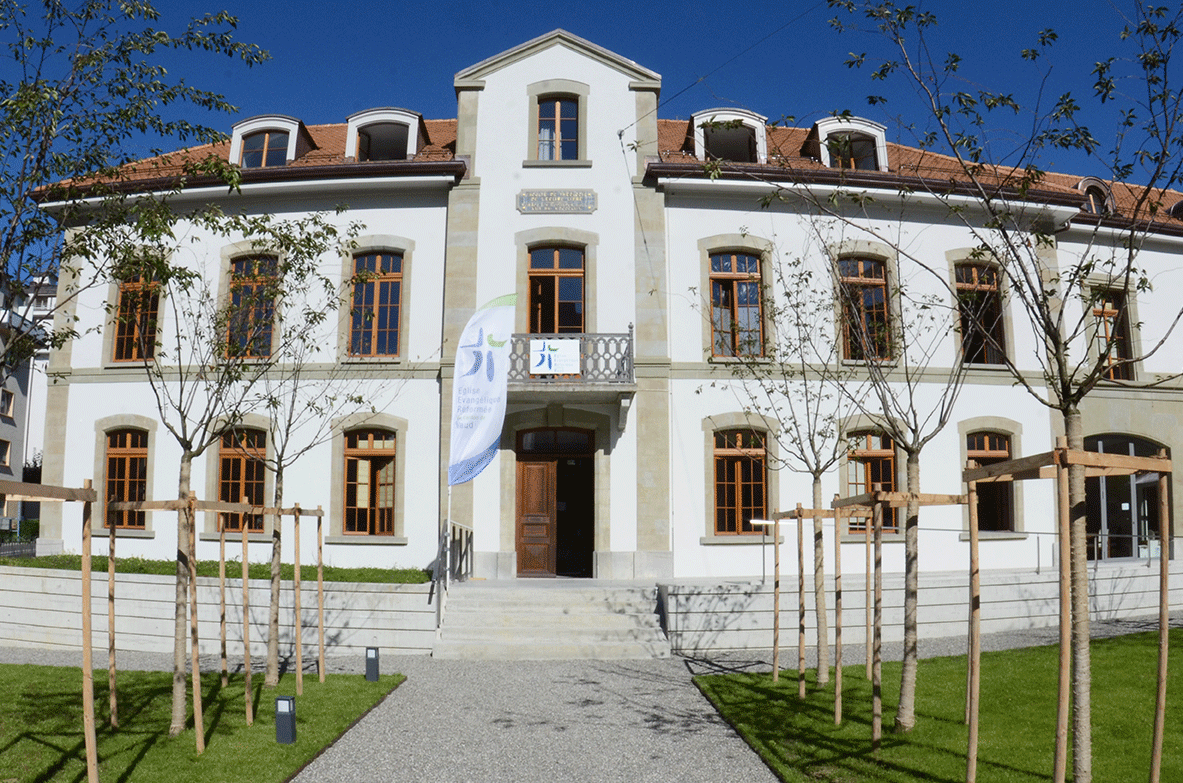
x: 775, y: 58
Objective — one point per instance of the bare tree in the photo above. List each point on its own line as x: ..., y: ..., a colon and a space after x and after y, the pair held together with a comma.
x: 217, y: 341
x: 796, y: 377
x: 1074, y: 298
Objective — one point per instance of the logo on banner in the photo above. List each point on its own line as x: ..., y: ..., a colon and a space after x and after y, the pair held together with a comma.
x: 479, y: 389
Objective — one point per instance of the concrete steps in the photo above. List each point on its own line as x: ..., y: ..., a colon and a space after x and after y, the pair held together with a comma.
x: 551, y: 620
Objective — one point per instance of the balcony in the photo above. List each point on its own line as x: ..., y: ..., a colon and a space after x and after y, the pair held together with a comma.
x: 579, y: 367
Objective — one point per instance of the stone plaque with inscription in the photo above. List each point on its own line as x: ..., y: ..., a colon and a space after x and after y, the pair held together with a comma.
x: 567, y: 201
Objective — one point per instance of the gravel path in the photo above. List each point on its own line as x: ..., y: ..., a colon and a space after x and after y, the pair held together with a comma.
x: 525, y: 721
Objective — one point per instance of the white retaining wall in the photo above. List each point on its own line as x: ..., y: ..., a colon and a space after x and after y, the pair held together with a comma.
x: 42, y: 608
x: 705, y: 617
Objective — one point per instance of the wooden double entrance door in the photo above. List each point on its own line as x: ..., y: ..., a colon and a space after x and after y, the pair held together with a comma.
x: 555, y: 503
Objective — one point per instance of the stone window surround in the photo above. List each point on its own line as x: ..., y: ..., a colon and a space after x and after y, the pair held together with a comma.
x: 375, y: 243
x: 735, y: 243
x: 528, y: 240
x: 968, y: 255
x: 334, y: 532
x: 738, y: 421
x: 556, y: 88
x: 102, y: 427
x: 208, y: 527
x: 1014, y: 431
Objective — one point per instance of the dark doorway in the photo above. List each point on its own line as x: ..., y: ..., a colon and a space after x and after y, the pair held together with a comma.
x: 555, y: 503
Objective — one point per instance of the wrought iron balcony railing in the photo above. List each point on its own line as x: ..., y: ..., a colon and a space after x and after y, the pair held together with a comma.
x: 572, y: 358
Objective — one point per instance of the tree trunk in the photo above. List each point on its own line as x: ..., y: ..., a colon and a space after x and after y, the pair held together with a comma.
x: 272, y: 678
x: 181, y: 618
x: 905, y: 717
x: 819, y: 588
x: 1082, y: 731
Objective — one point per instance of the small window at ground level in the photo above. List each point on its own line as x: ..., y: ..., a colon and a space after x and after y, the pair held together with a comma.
x: 741, y: 489
x: 265, y: 149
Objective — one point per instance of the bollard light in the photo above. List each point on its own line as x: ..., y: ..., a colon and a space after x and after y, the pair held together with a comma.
x: 372, y: 664
x: 285, y: 719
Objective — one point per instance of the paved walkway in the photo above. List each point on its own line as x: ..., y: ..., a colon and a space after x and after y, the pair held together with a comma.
x: 545, y: 721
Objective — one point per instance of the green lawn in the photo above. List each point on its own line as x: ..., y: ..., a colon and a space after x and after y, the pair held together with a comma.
x: 41, y: 726
x: 799, y: 741
x: 138, y: 565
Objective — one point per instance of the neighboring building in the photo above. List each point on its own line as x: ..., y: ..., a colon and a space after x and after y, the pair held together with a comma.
x: 558, y: 181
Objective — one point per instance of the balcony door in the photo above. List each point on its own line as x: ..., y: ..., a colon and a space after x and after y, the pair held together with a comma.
x: 555, y: 527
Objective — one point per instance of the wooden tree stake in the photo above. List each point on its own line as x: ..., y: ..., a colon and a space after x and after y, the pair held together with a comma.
x: 88, y: 731
x: 837, y: 616
x: 776, y: 600
x: 246, y: 619
x: 877, y: 651
x: 1065, y: 683
x: 195, y: 652
x: 112, y: 696
x: 975, y: 636
x: 1164, y: 624
x: 320, y: 591
x: 222, y: 602
x: 299, y: 614
x: 800, y: 603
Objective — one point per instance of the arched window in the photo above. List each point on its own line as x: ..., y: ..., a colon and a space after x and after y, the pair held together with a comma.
x: 369, y: 482
x: 264, y: 149
x: 741, y: 481
x: 995, y: 498
x: 241, y: 471
x: 1122, y: 511
x: 127, y: 475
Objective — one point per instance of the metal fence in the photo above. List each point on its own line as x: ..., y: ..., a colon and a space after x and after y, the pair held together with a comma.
x: 19, y: 549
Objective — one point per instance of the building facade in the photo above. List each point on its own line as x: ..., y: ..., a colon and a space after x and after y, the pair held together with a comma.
x: 651, y: 259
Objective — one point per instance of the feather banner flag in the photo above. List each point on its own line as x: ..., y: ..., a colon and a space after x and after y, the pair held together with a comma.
x: 479, y: 389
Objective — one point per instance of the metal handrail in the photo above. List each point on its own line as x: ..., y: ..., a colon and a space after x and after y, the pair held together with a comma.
x: 453, y: 562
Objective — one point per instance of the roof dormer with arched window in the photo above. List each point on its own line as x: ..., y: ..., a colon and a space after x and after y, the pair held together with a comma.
x: 269, y: 141
x: 851, y: 143
x: 730, y: 135
x: 1098, y: 198
x: 384, y: 134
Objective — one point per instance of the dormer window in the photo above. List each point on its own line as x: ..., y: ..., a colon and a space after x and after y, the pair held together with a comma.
x: 384, y: 134
x: 269, y: 141
x: 1098, y: 200
x: 382, y: 141
x: 730, y: 135
x: 849, y: 143
x: 852, y: 151
x: 264, y: 149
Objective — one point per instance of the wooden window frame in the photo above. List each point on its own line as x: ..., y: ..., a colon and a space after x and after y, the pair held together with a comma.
x: 556, y: 273
x: 727, y: 284
x: 561, y: 143
x: 7, y: 403
x: 381, y: 495
x: 866, y: 460
x: 242, y: 473
x: 374, y: 316
x: 733, y: 515
x: 125, y: 476
x: 137, y: 314
x: 1111, y: 311
x: 853, y: 289
x: 979, y: 298
x: 987, y: 447
x: 250, y: 323
x: 842, y: 151
x: 272, y: 154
